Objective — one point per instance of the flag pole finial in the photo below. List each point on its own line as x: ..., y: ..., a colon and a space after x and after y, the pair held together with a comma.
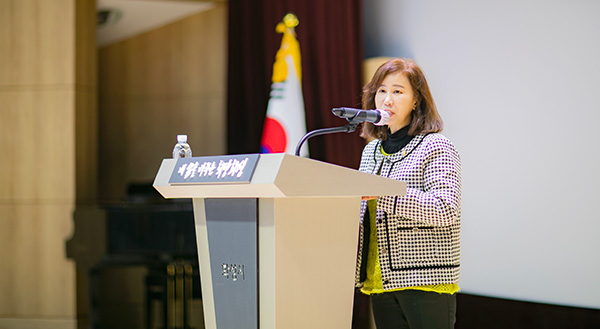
x: 290, y: 21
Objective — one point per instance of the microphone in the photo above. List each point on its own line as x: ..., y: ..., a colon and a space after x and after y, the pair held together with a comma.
x: 377, y: 117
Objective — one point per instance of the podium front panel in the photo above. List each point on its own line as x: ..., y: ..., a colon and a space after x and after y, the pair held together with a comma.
x: 231, y: 231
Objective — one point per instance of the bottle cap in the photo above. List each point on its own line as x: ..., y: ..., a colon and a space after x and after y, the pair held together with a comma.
x: 181, y: 138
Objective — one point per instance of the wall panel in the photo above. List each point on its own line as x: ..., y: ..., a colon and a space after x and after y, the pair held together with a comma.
x: 156, y: 85
x: 38, y: 42
x: 40, y: 102
x: 38, y: 144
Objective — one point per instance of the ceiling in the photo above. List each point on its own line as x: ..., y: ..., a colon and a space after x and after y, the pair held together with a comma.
x: 128, y: 18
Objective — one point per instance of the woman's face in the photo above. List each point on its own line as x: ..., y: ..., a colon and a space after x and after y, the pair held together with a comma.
x: 395, y: 95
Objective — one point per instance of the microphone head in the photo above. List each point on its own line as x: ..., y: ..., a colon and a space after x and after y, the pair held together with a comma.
x: 385, y: 118
x: 377, y: 117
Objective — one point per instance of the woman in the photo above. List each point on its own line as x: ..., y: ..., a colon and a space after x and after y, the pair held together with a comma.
x: 409, y: 255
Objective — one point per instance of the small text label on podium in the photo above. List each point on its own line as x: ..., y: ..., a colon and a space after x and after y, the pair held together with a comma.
x: 233, y: 272
x: 214, y: 169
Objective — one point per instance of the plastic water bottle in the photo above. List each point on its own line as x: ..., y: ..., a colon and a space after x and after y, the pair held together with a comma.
x: 182, y: 148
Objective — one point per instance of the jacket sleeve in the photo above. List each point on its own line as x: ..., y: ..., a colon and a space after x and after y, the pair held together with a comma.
x: 438, y: 203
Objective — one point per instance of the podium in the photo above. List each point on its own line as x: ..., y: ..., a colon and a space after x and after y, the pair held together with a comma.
x: 277, y: 248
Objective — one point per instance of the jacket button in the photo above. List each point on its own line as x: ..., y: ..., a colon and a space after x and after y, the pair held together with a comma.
x: 385, y: 281
x: 388, y: 161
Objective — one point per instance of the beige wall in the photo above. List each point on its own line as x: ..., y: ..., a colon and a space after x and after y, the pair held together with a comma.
x: 154, y: 86
x: 59, y: 149
x: 44, y: 93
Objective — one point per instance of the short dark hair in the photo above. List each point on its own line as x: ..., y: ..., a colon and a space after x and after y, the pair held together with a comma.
x: 424, y: 119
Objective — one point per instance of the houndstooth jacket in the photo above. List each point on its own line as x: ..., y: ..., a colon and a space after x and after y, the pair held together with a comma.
x: 417, y: 233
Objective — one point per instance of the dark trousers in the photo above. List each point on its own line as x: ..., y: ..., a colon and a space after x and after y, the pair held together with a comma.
x: 414, y: 309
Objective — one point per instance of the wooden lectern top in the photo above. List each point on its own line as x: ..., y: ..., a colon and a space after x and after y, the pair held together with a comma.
x: 279, y: 175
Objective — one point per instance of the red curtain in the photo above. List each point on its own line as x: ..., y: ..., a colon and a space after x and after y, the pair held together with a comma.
x: 330, y: 37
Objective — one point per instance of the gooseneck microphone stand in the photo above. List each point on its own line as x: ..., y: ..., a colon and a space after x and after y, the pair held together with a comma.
x: 350, y: 127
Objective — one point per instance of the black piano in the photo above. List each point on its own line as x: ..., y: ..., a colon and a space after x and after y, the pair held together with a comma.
x: 143, y: 248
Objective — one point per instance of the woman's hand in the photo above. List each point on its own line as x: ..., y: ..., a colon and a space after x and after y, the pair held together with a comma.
x: 370, y: 197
